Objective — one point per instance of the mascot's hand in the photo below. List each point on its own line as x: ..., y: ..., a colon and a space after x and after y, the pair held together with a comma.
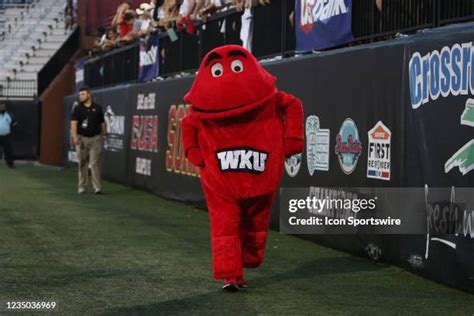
x: 293, y: 146
x: 195, y: 156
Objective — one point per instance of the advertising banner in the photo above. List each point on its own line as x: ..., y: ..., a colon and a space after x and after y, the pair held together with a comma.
x: 439, y: 110
x: 79, y: 73
x: 322, y: 24
x: 149, y: 58
x: 115, y: 104
x: 156, y: 154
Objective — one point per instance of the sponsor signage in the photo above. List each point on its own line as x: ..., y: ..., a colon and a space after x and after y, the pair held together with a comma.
x: 348, y: 146
x: 378, y: 155
x: 317, y: 145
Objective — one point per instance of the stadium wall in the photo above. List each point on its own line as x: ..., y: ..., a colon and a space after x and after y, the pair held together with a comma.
x: 52, y: 114
x: 420, y: 87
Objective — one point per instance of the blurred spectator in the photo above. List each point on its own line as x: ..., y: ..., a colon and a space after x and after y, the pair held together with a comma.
x: 126, y: 26
x: 74, y: 10
x: 378, y: 4
x: 119, y: 15
x: 109, y: 40
x: 247, y: 25
x: 143, y: 24
x: 187, y: 8
x: 72, y: 5
x: 100, y: 37
x: 158, y: 6
x: 137, y: 23
x: 101, y: 34
x: 212, y: 6
x: 209, y: 8
x: 177, y: 14
x: 198, y: 8
x: 168, y: 13
x: 239, y: 4
x: 68, y: 19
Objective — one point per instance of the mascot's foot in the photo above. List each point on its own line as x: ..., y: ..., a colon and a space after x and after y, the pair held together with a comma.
x: 234, y: 285
x: 241, y: 283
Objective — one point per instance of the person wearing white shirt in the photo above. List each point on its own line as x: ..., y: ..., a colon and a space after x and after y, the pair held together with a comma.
x: 7, y: 123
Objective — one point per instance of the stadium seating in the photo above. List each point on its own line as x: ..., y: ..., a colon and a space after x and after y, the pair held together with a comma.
x: 32, y: 33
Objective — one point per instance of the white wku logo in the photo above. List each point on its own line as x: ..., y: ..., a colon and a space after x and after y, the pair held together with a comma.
x: 242, y: 159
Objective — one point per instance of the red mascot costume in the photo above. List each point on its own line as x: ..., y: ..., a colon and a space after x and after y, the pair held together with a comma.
x: 239, y: 130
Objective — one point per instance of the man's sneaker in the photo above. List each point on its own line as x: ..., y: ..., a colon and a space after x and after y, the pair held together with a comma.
x: 98, y: 192
x: 81, y: 191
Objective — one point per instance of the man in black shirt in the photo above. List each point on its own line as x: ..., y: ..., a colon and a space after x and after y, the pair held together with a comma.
x: 87, y: 127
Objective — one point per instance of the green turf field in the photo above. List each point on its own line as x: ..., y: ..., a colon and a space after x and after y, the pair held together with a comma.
x: 129, y: 252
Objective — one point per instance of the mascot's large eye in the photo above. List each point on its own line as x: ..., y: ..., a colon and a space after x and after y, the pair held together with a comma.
x: 217, y: 70
x: 237, y: 66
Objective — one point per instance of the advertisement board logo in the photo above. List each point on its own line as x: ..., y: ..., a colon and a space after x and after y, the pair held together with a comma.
x: 115, y: 123
x: 143, y: 166
x: 378, y: 156
x: 348, y: 146
x: 320, y: 11
x: 115, y: 129
x: 146, y: 101
x: 317, y: 145
x: 464, y: 157
x: 293, y: 164
x: 148, y: 57
x: 175, y: 160
x: 441, y: 73
x: 144, y: 133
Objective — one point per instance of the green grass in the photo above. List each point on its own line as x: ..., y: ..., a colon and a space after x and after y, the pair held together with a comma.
x: 129, y: 252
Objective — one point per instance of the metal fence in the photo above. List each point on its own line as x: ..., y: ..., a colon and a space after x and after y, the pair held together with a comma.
x: 377, y: 19
x: 14, y: 2
x: 118, y: 66
x: 18, y: 89
x: 5, y: 2
x: 274, y: 34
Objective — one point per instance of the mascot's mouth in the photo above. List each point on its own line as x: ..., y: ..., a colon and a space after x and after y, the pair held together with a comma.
x: 238, y: 108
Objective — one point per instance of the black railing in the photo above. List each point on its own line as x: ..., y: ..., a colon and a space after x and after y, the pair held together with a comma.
x: 274, y: 33
x: 374, y: 20
x: 4, y: 3
x: 186, y: 53
x: 56, y: 63
x: 118, y: 66
x: 452, y: 11
x: 18, y: 89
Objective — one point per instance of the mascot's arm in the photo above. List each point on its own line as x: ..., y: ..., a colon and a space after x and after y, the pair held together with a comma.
x: 190, y: 141
x: 293, y: 139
